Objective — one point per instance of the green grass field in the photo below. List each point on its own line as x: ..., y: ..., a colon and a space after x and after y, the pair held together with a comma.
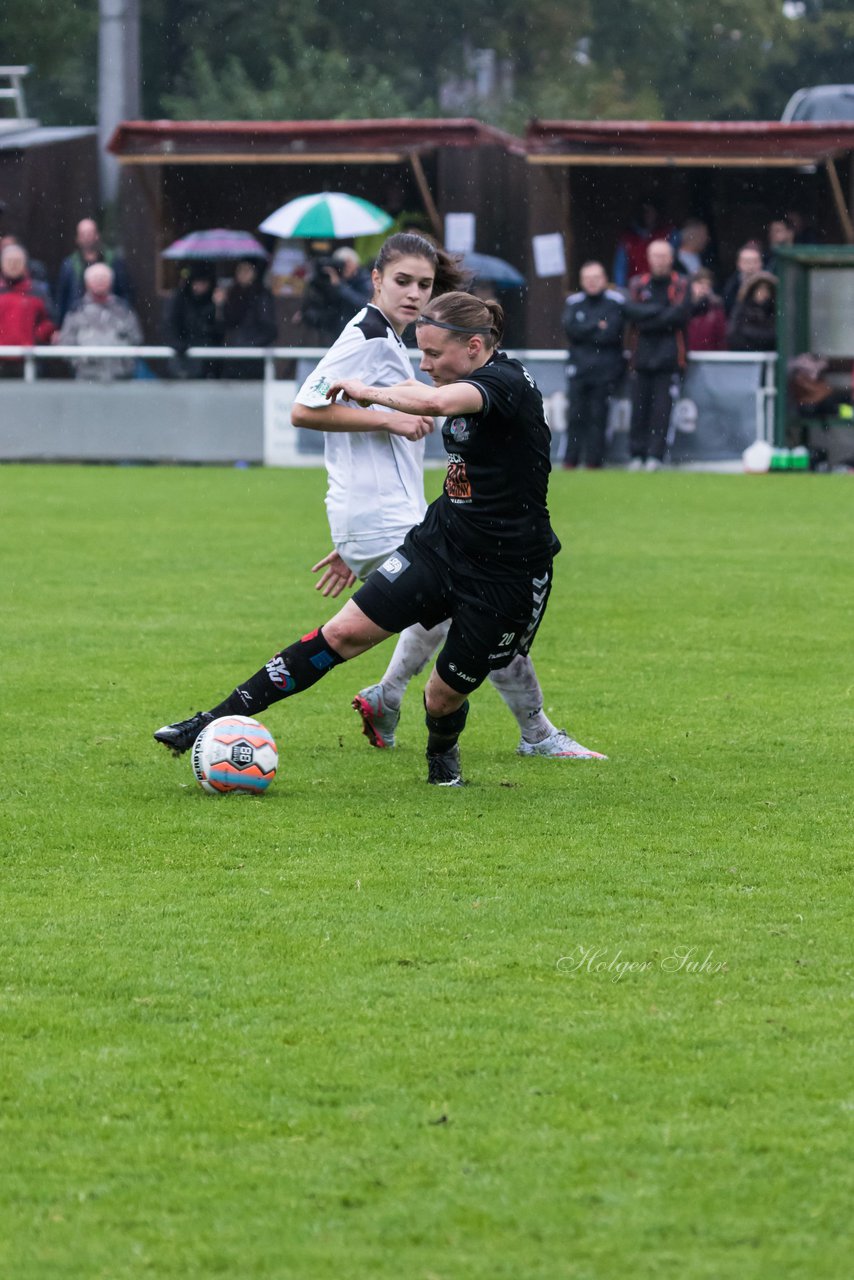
x: 576, y: 1022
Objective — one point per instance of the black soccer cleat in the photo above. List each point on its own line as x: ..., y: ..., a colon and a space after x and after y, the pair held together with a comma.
x: 443, y: 768
x: 179, y: 737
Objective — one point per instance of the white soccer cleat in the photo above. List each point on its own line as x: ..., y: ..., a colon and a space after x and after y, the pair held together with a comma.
x: 559, y: 745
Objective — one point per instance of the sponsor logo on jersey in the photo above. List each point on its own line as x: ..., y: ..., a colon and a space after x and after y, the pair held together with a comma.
x: 321, y: 385
x: 279, y: 674
x: 458, y: 428
x: 457, y: 483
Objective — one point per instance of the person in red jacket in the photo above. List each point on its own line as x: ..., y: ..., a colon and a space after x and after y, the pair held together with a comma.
x: 24, y: 319
x: 707, y: 326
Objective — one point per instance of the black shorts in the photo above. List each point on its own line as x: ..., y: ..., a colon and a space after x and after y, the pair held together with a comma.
x: 491, y: 622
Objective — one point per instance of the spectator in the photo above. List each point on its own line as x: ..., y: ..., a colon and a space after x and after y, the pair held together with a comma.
x: 810, y: 391
x: 355, y: 286
x: 748, y: 264
x: 630, y: 258
x: 707, y: 326
x: 594, y: 321
x: 249, y: 316
x: 659, y: 306
x: 24, y: 318
x: 781, y: 234
x: 753, y: 323
x: 100, y: 320
x: 37, y: 274
x: 336, y: 290
x: 195, y: 320
x: 804, y: 231
x: 693, y: 247
x: 70, y: 287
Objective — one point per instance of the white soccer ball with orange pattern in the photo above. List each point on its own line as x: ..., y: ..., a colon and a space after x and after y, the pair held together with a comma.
x: 235, y: 753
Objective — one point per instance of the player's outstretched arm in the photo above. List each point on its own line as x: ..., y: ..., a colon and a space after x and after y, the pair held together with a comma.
x: 339, y: 417
x: 412, y: 397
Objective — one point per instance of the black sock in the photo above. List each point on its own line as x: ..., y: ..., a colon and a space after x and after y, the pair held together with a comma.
x: 444, y: 731
x: 296, y: 668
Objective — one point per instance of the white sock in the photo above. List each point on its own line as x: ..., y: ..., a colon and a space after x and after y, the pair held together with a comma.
x: 520, y: 689
x: 414, y: 649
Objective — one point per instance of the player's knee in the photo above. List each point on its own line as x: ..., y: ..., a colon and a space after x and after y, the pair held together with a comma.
x: 351, y: 632
x: 441, y: 700
x: 447, y: 723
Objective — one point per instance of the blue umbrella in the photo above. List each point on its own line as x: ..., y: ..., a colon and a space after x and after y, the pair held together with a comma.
x: 496, y: 270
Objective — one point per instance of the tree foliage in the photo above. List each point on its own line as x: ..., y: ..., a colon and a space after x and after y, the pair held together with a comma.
x: 60, y: 43
x: 675, y: 59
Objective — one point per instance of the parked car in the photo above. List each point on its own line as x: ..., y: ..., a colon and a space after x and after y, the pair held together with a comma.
x: 823, y: 102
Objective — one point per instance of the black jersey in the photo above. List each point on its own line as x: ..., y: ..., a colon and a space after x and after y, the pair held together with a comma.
x: 493, y: 513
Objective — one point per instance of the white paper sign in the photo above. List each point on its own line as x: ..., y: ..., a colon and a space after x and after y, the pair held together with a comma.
x: 280, y: 437
x: 459, y: 232
x: 549, y: 255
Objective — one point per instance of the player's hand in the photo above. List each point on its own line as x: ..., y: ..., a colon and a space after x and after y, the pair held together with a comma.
x: 353, y: 389
x: 337, y: 577
x: 409, y: 426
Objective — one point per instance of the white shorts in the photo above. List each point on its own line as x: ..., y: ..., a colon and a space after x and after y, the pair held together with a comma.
x: 363, y: 555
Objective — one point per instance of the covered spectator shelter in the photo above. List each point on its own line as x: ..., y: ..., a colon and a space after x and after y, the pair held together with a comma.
x: 180, y: 176
x: 48, y: 182
x: 587, y: 178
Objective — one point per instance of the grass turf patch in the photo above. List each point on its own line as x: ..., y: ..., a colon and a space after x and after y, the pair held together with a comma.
x: 577, y: 1020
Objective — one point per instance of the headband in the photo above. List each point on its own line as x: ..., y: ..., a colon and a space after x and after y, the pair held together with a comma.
x: 454, y: 328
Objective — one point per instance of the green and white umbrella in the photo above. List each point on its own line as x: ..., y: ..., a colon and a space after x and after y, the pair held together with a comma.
x: 326, y: 216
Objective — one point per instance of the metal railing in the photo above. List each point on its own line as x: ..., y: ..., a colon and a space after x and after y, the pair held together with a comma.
x: 14, y: 92
x: 765, y: 392
x: 269, y: 355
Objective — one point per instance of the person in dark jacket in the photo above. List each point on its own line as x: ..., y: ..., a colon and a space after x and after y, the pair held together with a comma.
x: 753, y: 323
x: 90, y: 249
x: 659, y: 306
x: 249, y: 315
x: 336, y: 290
x: 749, y: 264
x: 593, y: 319
x: 195, y: 320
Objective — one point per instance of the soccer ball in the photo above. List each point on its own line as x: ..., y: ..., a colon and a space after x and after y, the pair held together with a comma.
x: 235, y: 753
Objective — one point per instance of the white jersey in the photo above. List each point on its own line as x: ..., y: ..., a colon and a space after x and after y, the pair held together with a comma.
x: 376, y: 480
